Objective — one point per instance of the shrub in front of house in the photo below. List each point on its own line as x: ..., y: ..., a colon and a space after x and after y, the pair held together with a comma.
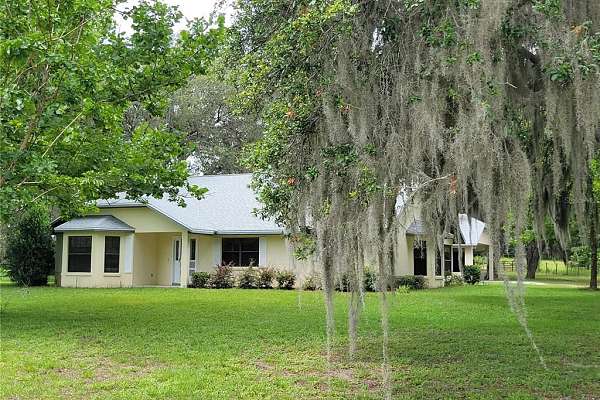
x: 265, y: 278
x: 454, y: 280
x: 471, y: 274
x: 342, y: 283
x: 222, y: 278
x: 200, y: 279
x: 30, y: 248
x: 312, y: 282
x: 248, y: 279
x: 285, y: 279
x: 369, y: 280
x: 410, y: 281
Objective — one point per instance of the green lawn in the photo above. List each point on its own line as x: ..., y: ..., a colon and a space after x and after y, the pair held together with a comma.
x: 218, y: 344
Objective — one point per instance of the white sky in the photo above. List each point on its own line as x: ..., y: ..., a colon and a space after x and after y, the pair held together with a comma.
x: 190, y: 9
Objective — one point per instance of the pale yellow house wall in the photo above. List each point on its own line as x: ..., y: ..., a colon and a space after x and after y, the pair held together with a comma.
x: 143, y: 219
x: 204, y: 253
x: 97, y: 277
x: 164, y: 259
x: 277, y: 252
x: 58, y: 257
x: 145, y: 259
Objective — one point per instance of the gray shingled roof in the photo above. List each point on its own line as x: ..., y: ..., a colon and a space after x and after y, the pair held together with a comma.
x: 227, y: 208
x: 94, y: 223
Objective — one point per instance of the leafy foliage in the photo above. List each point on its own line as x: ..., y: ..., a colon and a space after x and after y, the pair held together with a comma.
x: 200, y: 279
x: 312, y: 282
x: 67, y: 80
x: 454, y: 280
x: 471, y: 274
x: 248, y: 279
x: 410, y: 281
x: 222, y: 278
x: 285, y: 279
x: 265, y: 278
x: 201, y: 111
x: 30, y: 248
x: 370, y: 280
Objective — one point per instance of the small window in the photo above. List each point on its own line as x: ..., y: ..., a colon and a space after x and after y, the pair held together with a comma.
x: 80, y: 254
x: 420, y: 258
x: 455, y: 262
x: 447, y: 260
x: 112, y: 247
x: 240, y: 251
x: 192, y: 249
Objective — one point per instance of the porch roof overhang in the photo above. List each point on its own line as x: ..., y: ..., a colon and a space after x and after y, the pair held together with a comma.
x: 417, y: 227
x: 251, y: 232
x: 94, y: 223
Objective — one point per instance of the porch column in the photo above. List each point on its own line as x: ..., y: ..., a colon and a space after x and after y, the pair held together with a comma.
x: 491, y: 262
x: 468, y: 255
x: 185, y: 259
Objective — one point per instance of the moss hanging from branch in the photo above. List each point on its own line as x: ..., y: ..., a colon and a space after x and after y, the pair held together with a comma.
x: 475, y: 104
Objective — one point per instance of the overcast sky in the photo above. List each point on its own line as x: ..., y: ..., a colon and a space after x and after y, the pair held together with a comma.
x: 190, y: 8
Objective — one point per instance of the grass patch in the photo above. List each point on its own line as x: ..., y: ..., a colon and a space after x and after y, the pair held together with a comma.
x: 212, y: 344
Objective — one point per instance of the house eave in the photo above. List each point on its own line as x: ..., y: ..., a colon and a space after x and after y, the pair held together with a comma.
x: 251, y: 232
x: 93, y: 230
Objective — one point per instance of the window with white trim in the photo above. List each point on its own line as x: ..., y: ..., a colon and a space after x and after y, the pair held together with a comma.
x: 80, y: 254
x: 112, y: 249
x: 241, y: 252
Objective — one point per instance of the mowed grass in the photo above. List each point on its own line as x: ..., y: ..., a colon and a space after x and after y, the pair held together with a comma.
x: 243, y: 344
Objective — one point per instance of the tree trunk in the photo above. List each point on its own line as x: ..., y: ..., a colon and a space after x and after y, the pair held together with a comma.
x: 594, y: 248
x: 532, y: 256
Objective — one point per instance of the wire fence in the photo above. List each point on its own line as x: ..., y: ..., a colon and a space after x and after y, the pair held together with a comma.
x: 550, y: 267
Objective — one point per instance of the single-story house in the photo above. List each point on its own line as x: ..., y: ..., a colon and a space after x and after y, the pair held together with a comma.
x: 156, y: 242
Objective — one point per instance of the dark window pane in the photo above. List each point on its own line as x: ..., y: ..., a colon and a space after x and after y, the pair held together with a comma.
x: 250, y: 258
x: 456, y: 266
x: 447, y: 260
x: 420, y: 258
x: 80, y: 254
x: 240, y: 251
x: 230, y: 244
x: 80, y: 244
x: 192, y: 249
x: 112, y: 246
x: 249, y: 244
x: 231, y: 257
x: 111, y: 263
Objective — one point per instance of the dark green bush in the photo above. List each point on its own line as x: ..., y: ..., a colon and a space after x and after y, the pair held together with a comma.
x: 222, y: 278
x: 200, y: 279
x: 471, y: 274
x: 312, y: 282
x: 285, y: 279
x: 370, y: 280
x: 30, y: 248
x: 343, y: 282
x: 410, y: 281
x: 248, y: 279
x: 265, y: 278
